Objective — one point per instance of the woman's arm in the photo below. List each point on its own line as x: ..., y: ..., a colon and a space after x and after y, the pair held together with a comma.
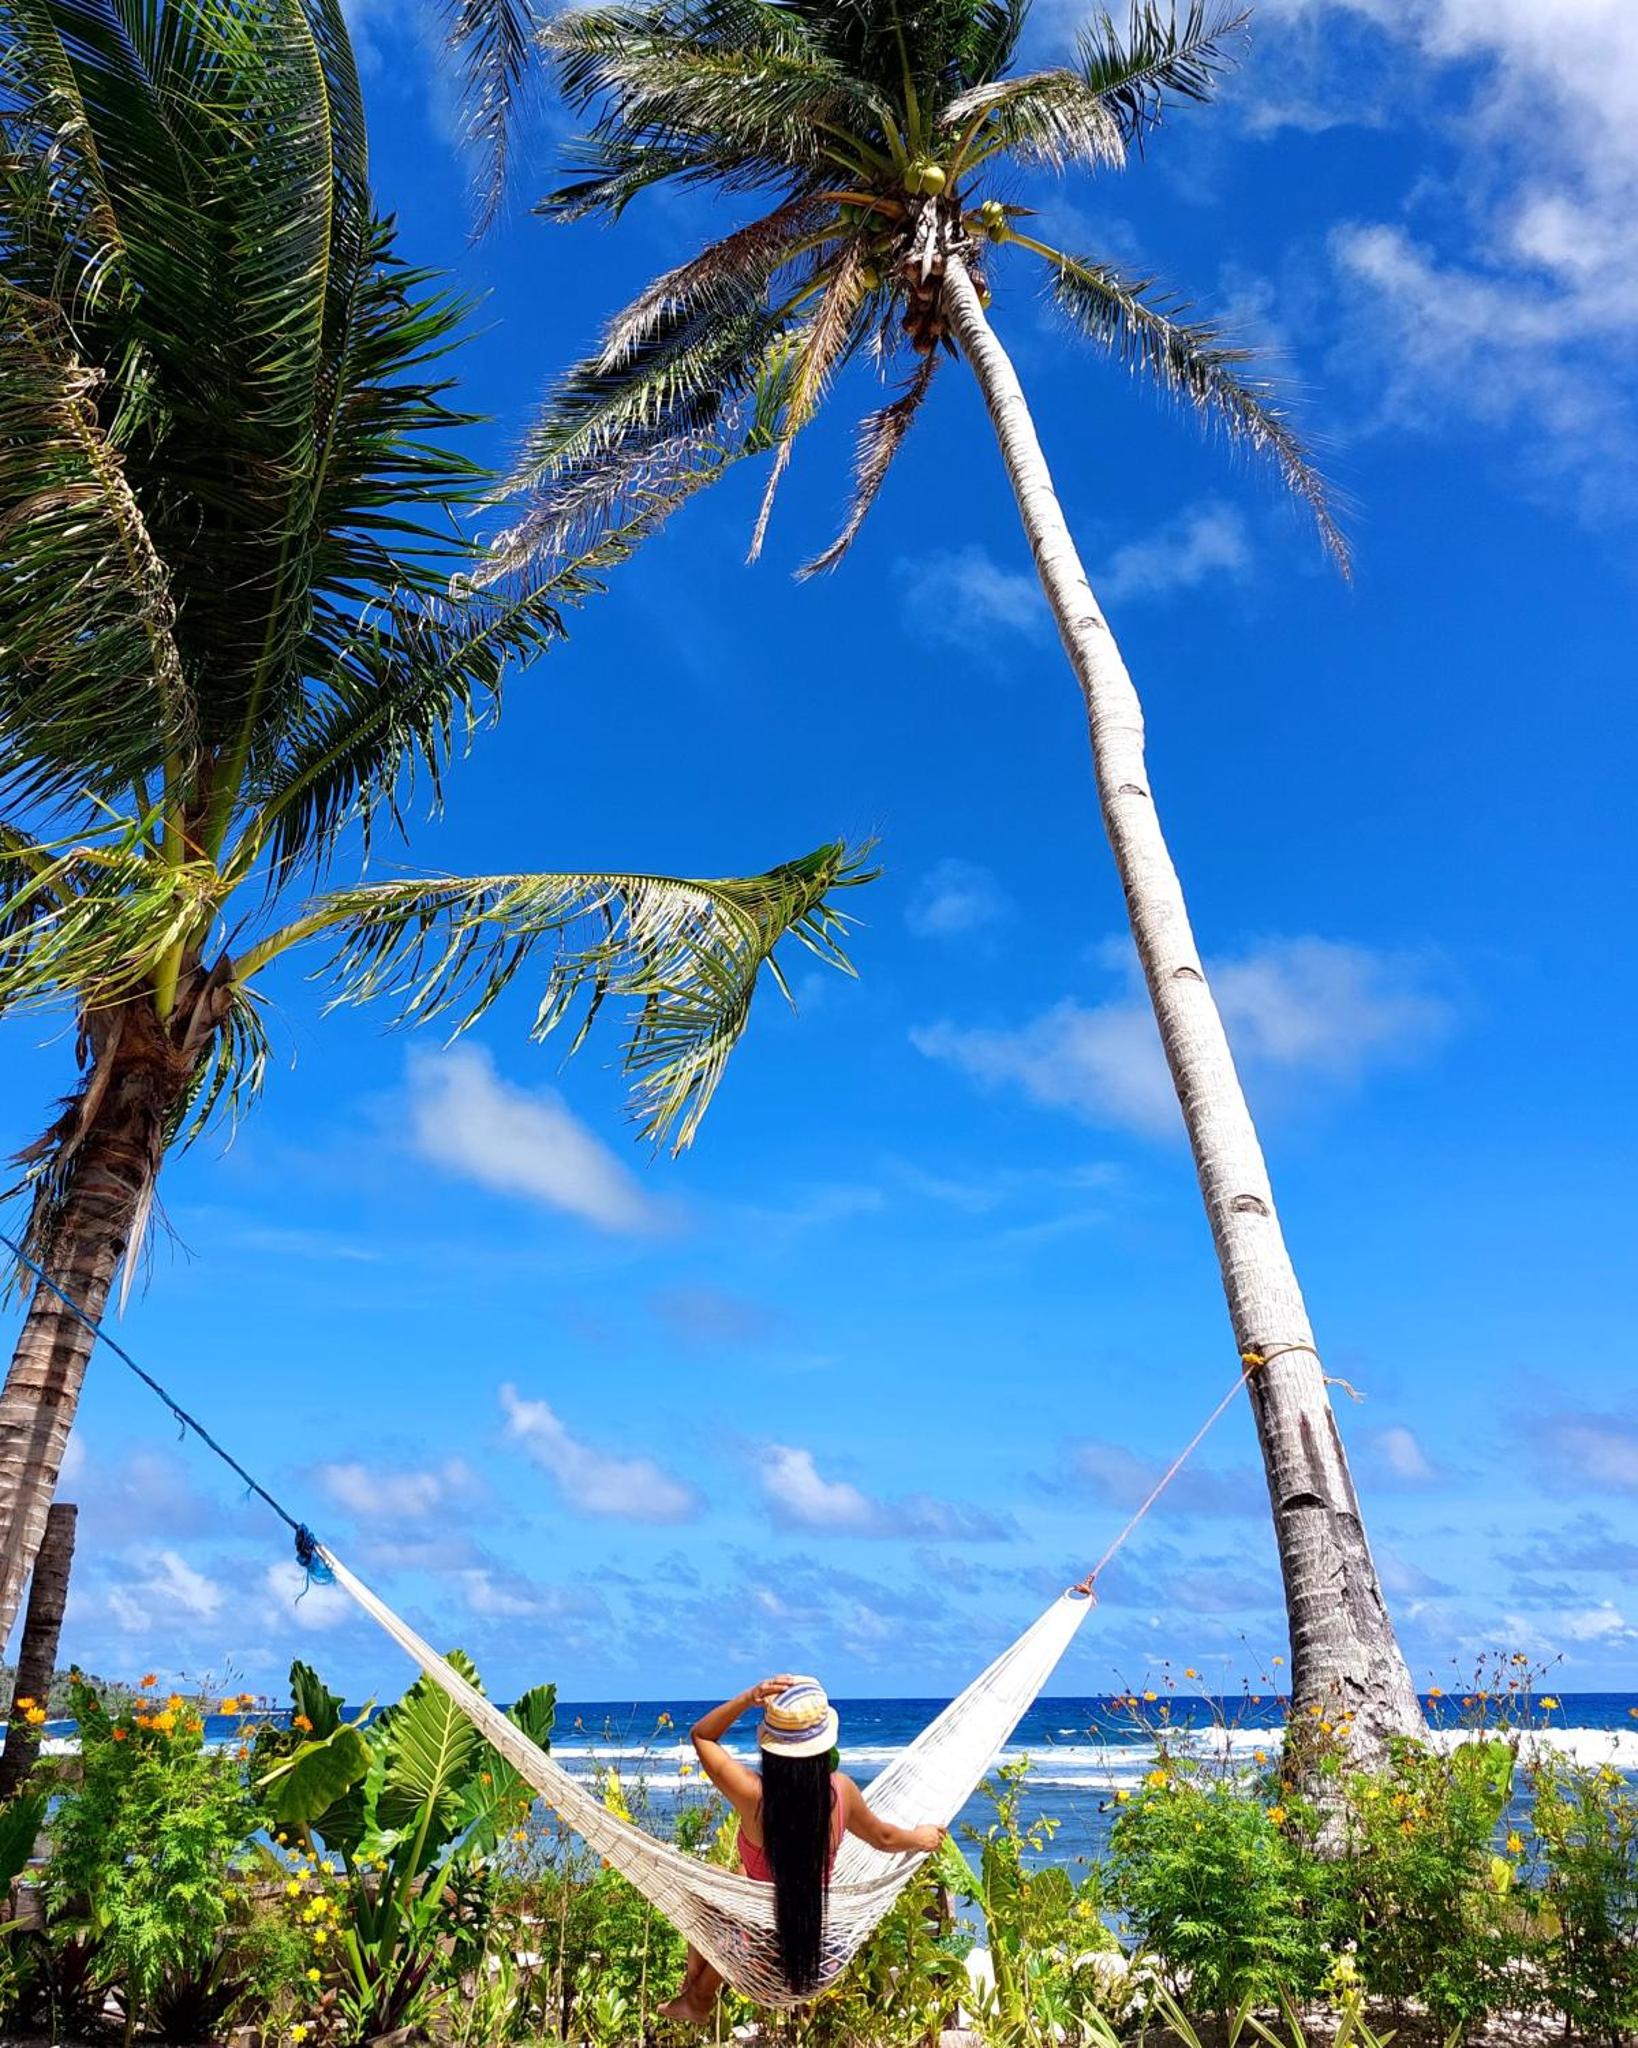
x: 882, y: 1834
x: 740, y: 1786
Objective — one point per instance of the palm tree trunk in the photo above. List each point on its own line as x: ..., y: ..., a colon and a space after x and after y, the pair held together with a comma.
x: 1344, y: 1656
x: 115, y: 1131
x: 37, y: 1655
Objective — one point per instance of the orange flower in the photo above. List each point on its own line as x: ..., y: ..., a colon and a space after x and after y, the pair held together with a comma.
x: 1277, y: 1815
x: 118, y: 1734
x: 302, y: 1723
x: 152, y: 1678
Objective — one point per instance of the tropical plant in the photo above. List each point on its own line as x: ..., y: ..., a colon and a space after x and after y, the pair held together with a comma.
x: 230, y: 647
x: 142, y: 1845
x: 879, y: 137
x: 411, y: 1801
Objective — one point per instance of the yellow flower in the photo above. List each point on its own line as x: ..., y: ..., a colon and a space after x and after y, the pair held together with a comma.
x: 1121, y: 1798
x: 292, y: 1890
x: 1151, y: 1696
x: 1276, y: 1660
x: 298, y: 2033
x: 35, y: 1717
x: 1435, y: 1692
x: 1156, y: 1779
x: 1549, y: 1705
x: 165, y: 1722
x: 22, y: 1706
x: 1515, y: 1843
x: 315, y: 1976
x: 320, y: 1936
x: 1190, y: 1672
x: 301, y: 1723
x: 1277, y: 1815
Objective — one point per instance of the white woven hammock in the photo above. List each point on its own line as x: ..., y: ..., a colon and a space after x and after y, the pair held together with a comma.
x: 728, y: 1917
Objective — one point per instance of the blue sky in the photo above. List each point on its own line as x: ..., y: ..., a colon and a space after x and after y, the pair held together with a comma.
x: 863, y: 1379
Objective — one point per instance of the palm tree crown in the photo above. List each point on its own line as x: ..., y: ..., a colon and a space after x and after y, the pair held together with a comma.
x: 879, y: 129
x: 230, y: 645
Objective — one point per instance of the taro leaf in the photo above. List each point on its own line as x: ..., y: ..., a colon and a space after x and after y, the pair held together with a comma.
x: 429, y: 1747
x: 309, y: 1786
x: 313, y: 1700
x: 487, y: 1808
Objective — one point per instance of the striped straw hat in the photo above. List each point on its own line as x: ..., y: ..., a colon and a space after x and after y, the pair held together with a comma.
x: 800, y: 1722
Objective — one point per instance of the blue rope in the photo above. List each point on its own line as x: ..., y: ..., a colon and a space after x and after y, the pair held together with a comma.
x: 307, y: 1552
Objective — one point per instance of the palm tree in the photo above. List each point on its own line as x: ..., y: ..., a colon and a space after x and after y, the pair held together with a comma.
x: 230, y: 646
x: 873, y: 134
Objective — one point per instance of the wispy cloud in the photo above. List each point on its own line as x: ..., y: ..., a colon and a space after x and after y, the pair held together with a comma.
x: 1120, y: 1478
x: 631, y: 1489
x: 373, y: 1493
x: 799, y: 1496
x: 1585, y: 1451
x: 1395, y: 1456
x: 1206, y: 541
x: 966, y: 596
x: 466, y: 1119
x: 1296, y: 1007
x: 1514, y: 304
x: 955, y: 898
x: 165, y: 1590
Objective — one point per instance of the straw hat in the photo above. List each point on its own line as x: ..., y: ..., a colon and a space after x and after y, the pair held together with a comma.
x: 800, y: 1722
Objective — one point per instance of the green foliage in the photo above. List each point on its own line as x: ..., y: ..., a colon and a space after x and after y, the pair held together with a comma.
x: 143, y: 1845
x: 1421, y: 1891
x: 1221, y: 1888
x: 1585, y: 1823
x: 411, y: 1802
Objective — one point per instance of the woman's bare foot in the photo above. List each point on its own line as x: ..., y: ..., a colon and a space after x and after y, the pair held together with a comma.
x: 692, y: 2012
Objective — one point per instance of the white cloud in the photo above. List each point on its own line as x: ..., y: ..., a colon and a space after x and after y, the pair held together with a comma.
x: 800, y: 1497
x: 1202, y: 542
x: 465, y: 1118
x: 1516, y: 303
x: 966, y: 595
x: 597, y: 1482
x: 166, y: 1591
x: 953, y: 898
x: 1586, y: 1451
x: 310, y: 1604
x: 1402, y: 1457
x: 376, y: 1495
x: 1295, y: 1007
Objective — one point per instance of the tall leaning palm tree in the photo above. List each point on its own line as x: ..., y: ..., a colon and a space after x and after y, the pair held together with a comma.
x: 875, y: 135
x: 230, y: 645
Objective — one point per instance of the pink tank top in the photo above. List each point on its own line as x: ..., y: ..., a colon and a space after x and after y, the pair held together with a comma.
x: 753, y: 1857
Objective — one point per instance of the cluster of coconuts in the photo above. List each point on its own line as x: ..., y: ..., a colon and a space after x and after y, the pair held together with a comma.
x: 922, y: 175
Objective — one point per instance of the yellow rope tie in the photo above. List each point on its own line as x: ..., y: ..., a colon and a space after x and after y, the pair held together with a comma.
x: 1251, y: 1360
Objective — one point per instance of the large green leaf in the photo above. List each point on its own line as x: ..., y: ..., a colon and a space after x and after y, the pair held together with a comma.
x: 309, y: 1787
x: 497, y: 1796
x: 428, y: 1748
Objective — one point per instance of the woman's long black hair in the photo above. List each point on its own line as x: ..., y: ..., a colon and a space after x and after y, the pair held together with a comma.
x: 797, y: 1811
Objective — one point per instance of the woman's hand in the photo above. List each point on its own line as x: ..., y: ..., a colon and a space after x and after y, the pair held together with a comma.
x: 929, y: 1840
x: 770, y: 1689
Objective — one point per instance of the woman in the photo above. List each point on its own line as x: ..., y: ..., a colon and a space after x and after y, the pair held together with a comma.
x: 792, y: 1817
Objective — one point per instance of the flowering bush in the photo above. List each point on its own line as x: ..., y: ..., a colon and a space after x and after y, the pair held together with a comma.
x: 144, y: 1843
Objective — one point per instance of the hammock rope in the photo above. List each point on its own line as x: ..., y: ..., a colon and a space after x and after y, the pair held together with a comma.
x: 728, y: 1917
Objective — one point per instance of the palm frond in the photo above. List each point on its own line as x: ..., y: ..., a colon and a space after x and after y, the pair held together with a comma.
x: 492, y: 42
x: 724, y: 277
x: 91, y: 688
x: 54, y: 197
x: 684, y: 956
x: 669, y: 76
x: 85, y: 921
x: 1046, y: 117
x: 881, y: 436
x: 1195, y: 361
x: 1158, y: 54
x: 815, y: 351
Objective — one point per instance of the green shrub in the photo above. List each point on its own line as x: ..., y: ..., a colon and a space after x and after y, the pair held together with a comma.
x: 1222, y: 1889
x: 142, y: 1845
x: 1586, y: 1829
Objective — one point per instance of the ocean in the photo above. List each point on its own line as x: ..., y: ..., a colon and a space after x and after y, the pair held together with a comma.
x: 1081, y: 1752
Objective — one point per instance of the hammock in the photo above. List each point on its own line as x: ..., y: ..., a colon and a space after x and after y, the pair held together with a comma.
x: 728, y: 1917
